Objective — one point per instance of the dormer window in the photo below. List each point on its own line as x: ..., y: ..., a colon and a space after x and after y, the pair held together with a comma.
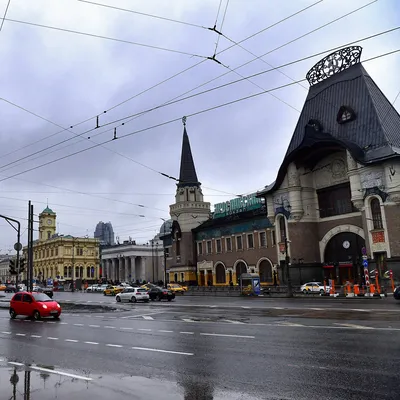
x: 345, y: 114
x: 315, y: 124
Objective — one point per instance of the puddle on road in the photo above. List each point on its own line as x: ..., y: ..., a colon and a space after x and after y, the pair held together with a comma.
x: 49, y: 383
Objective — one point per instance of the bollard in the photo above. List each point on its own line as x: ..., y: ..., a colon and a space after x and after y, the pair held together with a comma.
x: 356, y: 290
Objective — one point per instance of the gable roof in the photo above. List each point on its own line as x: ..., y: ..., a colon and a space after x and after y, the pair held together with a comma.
x: 374, y: 134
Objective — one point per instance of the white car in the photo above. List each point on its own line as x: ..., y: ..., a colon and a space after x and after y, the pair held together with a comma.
x: 314, y: 287
x: 133, y: 295
x: 93, y: 288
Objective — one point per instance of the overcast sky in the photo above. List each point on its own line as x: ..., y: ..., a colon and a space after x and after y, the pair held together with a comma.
x: 68, y: 78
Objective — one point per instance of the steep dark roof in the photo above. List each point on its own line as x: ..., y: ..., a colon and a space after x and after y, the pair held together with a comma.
x: 187, y: 176
x: 374, y: 134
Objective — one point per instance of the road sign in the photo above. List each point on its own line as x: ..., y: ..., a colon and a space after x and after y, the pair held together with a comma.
x: 365, y: 257
x: 17, y: 246
x: 256, y: 286
x: 365, y: 263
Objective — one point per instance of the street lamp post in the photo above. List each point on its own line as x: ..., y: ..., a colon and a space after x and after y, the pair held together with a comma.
x: 165, y: 255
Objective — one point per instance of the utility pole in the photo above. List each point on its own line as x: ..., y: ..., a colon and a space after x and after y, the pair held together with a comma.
x: 165, y: 255
x: 73, y: 265
x: 29, y: 266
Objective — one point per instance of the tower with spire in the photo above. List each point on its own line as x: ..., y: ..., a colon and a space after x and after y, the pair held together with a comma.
x: 188, y: 212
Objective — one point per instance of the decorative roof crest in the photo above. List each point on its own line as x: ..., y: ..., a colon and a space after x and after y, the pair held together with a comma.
x: 334, y: 63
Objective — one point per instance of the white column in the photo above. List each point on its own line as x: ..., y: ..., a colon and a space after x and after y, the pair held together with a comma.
x: 114, y: 269
x: 132, y: 266
x: 127, y: 268
x: 143, y: 268
x: 121, y: 269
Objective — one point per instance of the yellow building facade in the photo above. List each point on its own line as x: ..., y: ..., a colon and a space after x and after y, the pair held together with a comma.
x: 63, y: 257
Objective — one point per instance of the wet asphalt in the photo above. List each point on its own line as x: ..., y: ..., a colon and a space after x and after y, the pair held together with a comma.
x: 205, y: 349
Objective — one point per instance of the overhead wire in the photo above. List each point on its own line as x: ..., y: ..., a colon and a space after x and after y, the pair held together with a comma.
x: 175, y: 75
x: 104, y: 37
x: 179, y: 99
x: 5, y: 14
x: 142, y: 13
x: 177, y: 119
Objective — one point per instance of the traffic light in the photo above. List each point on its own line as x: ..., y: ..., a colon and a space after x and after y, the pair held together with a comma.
x: 12, y: 268
x: 21, y: 265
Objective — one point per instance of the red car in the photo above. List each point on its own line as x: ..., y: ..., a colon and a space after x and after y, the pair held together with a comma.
x: 36, y: 305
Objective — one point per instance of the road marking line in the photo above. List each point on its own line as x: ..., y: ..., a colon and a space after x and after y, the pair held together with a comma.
x: 52, y: 338
x: 161, y: 330
x: 142, y: 329
x: 63, y: 323
x: 50, y: 322
x: 224, y: 335
x: 316, y: 309
x: 78, y: 324
x: 143, y: 315
x: 20, y: 334
x: 15, y: 363
x: 71, y: 340
x: 113, y: 345
x: 354, y: 326
x: 27, y: 320
x: 36, y: 336
x: 6, y: 333
x: 234, y: 322
x: 40, y: 322
x: 147, y: 317
x: 109, y: 327
x: 51, y: 371
x: 187, y: 333
x: 278, y: 308
x: 94, y: 326
x: 187, y: 320
x: 99, y: 316
x: 163, y: 351
x: 127, y: 329
x: 245, y: 307
x: 90, y: 342
x: 289, y: 324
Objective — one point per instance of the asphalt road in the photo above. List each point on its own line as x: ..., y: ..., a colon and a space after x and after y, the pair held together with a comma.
x: 184, y: 351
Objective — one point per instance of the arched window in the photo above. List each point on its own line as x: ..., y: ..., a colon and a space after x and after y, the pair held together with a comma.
x: 220, y: 273
x: 87, y: 272
x: 240, y: 269
x: 70, y: 272
x: 282, y: 229
x: 376, y: 213
x: 175, y: 277
x: 265, y: 271
x: 81, y: 272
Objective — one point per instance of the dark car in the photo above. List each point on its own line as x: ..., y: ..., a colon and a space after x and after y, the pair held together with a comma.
x: 10, y: 289
x: 47, y: 291
x: 396, y: 293
x: 157, y: 293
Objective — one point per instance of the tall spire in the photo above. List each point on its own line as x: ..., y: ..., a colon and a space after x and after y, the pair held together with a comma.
x: 187, y: 176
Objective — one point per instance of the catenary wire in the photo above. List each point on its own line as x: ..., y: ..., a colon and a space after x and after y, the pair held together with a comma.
x: 5, y: 14
x: 104, y: 37
x: 179, y: 99
x: 173, y: 76
x: 142, y: 13
x: 177, y: 119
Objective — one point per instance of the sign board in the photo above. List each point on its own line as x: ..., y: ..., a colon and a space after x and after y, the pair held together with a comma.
x: 256, y: 286
x: 238, y: 205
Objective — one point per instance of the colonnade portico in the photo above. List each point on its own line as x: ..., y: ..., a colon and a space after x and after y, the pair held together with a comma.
x: 124, y: 269
x: 130, y: 262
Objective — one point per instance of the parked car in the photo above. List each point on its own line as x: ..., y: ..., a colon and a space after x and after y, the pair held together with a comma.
x: 396, y: 293
x: 314, y: 287
x: 33, y: 304
x: 10, y: 289
x: 157, y: 293
x: 133, y: 295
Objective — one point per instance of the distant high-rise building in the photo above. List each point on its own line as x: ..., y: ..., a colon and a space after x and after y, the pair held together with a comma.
x: 105, y: 233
